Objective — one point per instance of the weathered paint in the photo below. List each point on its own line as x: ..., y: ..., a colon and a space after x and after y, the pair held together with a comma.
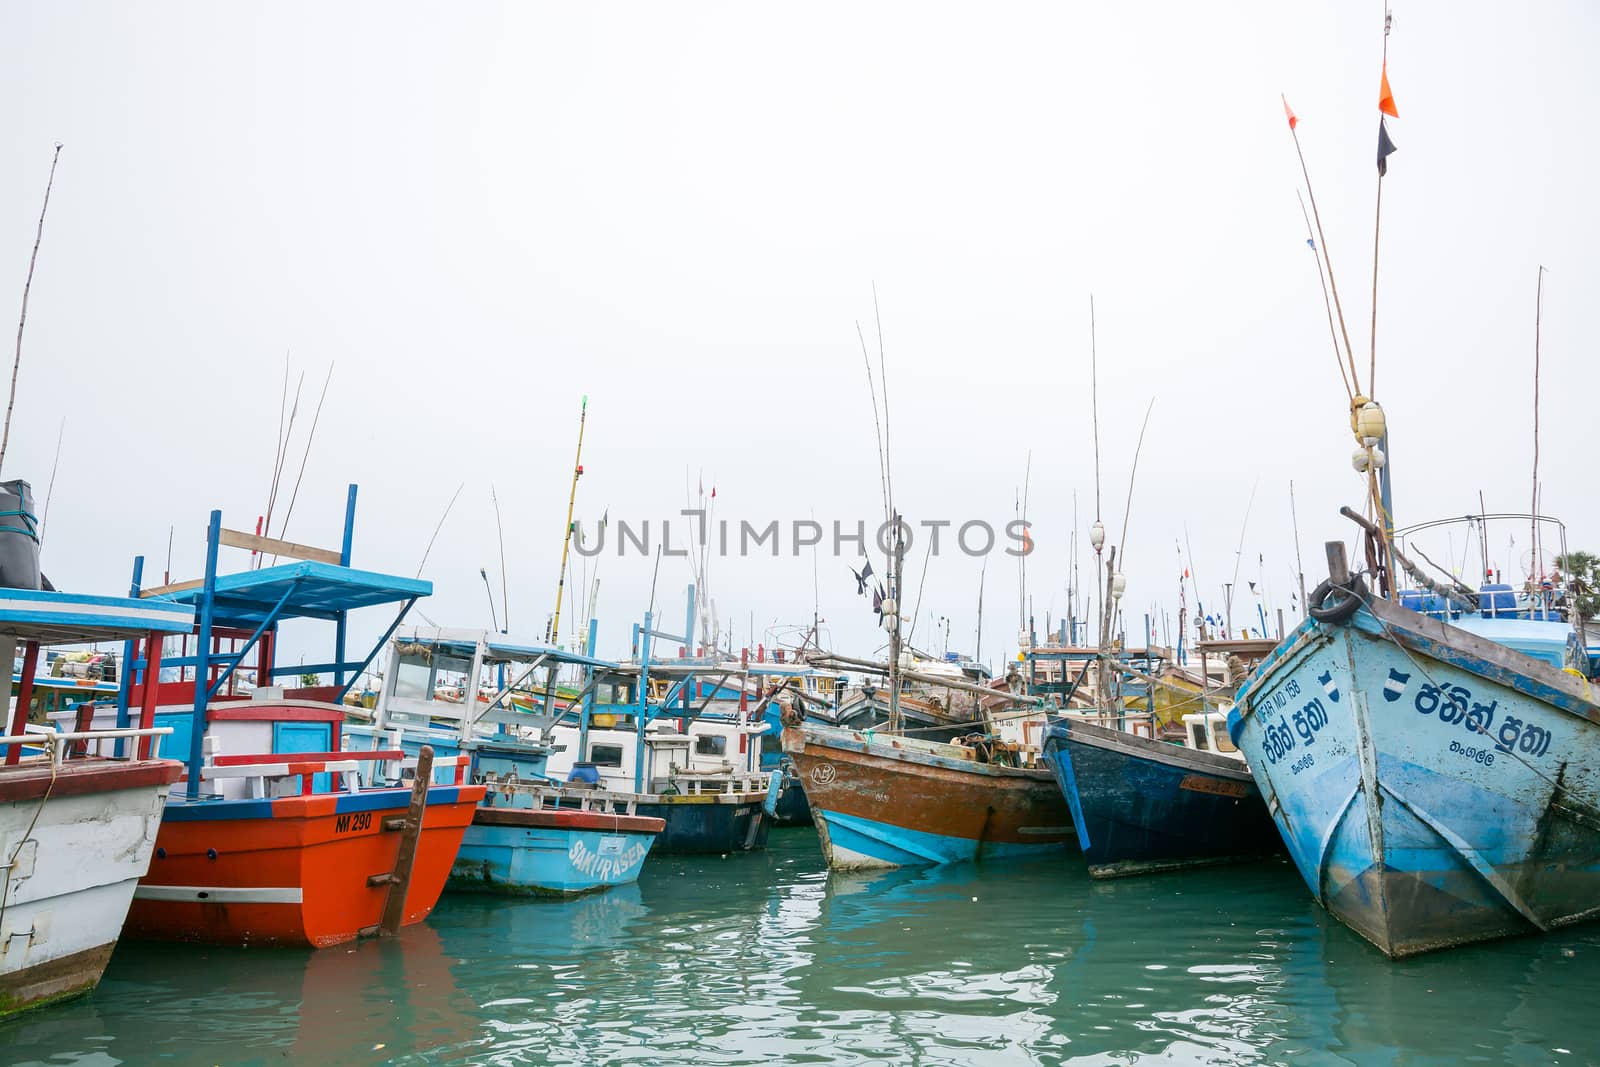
x: 1142, y: 806
x: 293, y: 870
x: 74, y: 873
x: 513, y: 855
x: 1434, y: 788
x: 709, y: 822
x: 888, y: 803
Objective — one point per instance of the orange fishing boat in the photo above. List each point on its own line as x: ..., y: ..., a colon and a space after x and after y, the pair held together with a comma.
x: 275, y: 835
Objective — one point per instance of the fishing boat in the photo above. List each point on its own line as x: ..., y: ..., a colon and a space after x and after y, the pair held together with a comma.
x: 700, y: 775
x: 530, y: 833
x: 276, y: 835
x: 886, y: 800
x: 1153, y: 781
x: 1142, y: 805
x: 78, y: 816
x: 1432, y: 756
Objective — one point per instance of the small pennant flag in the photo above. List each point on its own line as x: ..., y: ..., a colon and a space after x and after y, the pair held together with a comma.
x: 1386, y: 97
x: 1311, y: 244
x: 1386, y: 148
x: 1293, y: 120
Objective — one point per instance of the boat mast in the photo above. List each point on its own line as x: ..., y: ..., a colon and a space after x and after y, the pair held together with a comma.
x: 566, y: 538
x: 1538, y: 315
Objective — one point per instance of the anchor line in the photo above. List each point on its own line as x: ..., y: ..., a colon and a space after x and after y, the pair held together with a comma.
x: 1554, y: 785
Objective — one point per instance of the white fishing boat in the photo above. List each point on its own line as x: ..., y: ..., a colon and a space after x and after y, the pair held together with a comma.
x: 79, y: 810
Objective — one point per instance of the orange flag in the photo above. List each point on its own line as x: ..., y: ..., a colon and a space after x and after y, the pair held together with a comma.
x: 1385, y: 97
x: 1293, y: 121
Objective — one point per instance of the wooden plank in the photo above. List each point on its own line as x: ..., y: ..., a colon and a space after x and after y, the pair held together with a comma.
x: 394, y: 906
x: 175, y: 587
x: 271, y: 546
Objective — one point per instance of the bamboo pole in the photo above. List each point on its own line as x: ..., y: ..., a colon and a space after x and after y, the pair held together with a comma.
x: 566, y: 539
x: 27, y: 287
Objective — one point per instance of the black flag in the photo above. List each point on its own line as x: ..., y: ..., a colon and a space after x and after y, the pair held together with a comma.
x: 1385, y: 148
x: 861, y: 578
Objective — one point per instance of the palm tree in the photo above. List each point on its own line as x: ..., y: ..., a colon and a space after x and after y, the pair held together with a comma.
x: 1583, y: 572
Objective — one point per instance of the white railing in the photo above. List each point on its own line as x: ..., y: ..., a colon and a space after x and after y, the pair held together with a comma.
x: 57, y: 744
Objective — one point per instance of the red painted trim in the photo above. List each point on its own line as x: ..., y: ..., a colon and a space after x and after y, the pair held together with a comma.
x: 19, y: 723
x: 295, y: 758
x: 568, y: 819
x: 266, y: 711
x: 90, y: 775
x: 147, y: 710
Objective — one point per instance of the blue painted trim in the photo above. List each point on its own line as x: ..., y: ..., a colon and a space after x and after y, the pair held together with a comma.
x: 397, y: 799
x: 1058, y: 753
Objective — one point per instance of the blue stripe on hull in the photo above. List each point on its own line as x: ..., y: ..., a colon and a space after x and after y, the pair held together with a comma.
x: 702, y: 828
x: 520, y: 859
x: 1137, y: 813
x: 1419, y: 798
x: 852, y: 842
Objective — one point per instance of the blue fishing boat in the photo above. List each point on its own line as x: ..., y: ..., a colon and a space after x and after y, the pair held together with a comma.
x: 1433, y: 769
x: 1142, y: 805
x: 698, y: 773
x: 479, y: 694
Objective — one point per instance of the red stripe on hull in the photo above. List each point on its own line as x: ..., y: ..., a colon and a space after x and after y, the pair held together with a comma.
x: 995, y: 804
x: 30, y: 780
x: 563, y: 819
x: 301, y: 847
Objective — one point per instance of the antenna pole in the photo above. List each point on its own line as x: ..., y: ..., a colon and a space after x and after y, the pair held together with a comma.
x: 566, y: 538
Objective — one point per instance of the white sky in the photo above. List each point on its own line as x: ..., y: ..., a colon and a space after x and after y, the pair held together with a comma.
x: 482, y: 213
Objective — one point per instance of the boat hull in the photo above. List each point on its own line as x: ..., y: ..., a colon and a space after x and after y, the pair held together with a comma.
x: 1142, y: 806
x: 878, y: 804
x: 1434, y: 788
x: 80, y: 844
x: 551, y: 852
x: 708, y: 822
x: 293, y: 870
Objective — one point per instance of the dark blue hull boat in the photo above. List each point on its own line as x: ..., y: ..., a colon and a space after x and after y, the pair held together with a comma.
x: 1142, y: 806
x: 725, y: 822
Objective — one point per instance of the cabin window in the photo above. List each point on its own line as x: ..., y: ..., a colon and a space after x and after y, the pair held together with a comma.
x: 1197, y: 737
x: 605, y: 755
x: 411, y: 679
x: 710, y: 745
x: 771, y: 744
x: 1225, y: 743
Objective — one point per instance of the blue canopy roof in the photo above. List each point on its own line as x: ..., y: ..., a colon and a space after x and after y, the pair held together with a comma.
x: 55, y: 618
x: 496, y: 646
x: 307, y: 590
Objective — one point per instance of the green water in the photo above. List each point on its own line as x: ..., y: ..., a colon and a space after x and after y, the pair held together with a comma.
x: 768, y: 959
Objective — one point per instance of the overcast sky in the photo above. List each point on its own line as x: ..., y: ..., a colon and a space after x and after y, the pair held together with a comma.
x: 481, y: 213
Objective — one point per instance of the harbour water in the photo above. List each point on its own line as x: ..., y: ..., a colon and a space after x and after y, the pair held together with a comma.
x: 766, y: 958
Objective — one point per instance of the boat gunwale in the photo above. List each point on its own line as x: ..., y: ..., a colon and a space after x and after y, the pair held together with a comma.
x: 1061, y: 731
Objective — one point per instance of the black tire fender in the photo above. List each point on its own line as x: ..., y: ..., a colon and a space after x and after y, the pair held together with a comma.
x: 1333, y: 604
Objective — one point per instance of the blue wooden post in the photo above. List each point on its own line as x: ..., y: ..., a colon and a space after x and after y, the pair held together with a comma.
x: 587, y: 708
x: 344, y: 561
x: 642, y: 702
x: 208, y: 597
x: 125, y: 679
